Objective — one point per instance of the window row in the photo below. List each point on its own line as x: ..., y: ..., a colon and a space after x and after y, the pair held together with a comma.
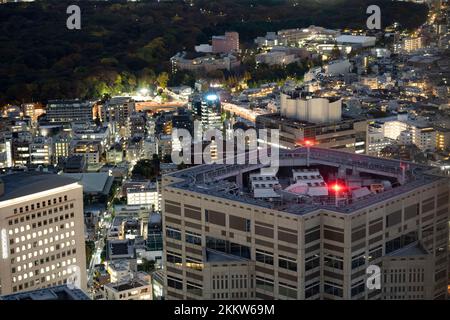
x: 38, y: 205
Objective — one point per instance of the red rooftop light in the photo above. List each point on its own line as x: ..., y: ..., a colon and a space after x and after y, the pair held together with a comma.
x: 337, y: 187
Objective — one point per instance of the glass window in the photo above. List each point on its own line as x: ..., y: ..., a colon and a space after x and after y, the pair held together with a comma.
x: 173, y: 233
x: 264, y: 284
x: 287, y: 290
x: 287, y: 263
x: 193, y: 238
x: 264, y: 257
x: 312, y: 262
x: 175, y: 283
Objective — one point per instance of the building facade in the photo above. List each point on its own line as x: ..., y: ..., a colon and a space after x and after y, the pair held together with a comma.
x: 68, y: 111
x: 221, y: 243
x: 42, y: 230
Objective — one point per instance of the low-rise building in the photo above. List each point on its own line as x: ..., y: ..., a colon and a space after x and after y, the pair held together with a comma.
x: 61, y: 292
x: 204, y: 63
x: 134, y: 289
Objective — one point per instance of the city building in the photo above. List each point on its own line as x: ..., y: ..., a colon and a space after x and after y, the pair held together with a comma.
x: 276, y: 58
x: 61, y: 147
x: 91, y: 132
x: 6, y: 160
x: 137, y: 125
x: 143, y: 193
x: 412, y: 44
x: 96, y: 185
x: 150, y: 147
x: 208, y: 110
x: 58, y: 293
x: 308, y: 119
x: 91, y: 150
x: 41, y: 152
x: 42, y: 230
x: 116, y: 113
x: 310, y: 36
x: 204, y: 63
x: 119, y: 270
x: 408, y: 131
x: 115, y: 154
x: 222, y: 243
x: 228, y: 43
x: 376, y: 141
x: 337, y: 67
x: 117, y: 249
x: 67, y: 111
x: 182, y: 119
x: 134, y: 289
x: 356, y: 42
x: 20, y: 152
x: 75, y: 164
x: 154, y: 236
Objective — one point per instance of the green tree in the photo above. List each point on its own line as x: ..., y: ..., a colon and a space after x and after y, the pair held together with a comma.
x: 162, y: 80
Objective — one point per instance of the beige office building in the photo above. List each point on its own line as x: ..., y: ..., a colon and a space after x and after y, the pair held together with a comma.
x: 42, y: 232
x: 305, y: 118
x: 331, y: 218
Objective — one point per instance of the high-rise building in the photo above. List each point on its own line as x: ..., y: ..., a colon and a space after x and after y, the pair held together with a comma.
x: 336, y: 217
x: 208, y: 109
x: 42, y: 232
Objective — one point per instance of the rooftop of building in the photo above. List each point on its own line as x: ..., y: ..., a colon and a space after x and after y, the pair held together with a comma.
x: 303, y: 124
x: 117, y: 249
x: 119, y: 265
x: 62, y: 292
x: 359, y: 181
x: 354, y: 39
x: 300, y: 93
x: 415, y: 249
x: 26, y: 183
x: 66, y: 102
x: 93, y: 182
x: 119, y: 100
x: 127, y: 285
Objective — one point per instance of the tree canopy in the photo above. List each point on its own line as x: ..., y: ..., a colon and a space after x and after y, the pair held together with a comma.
x: 124, y: 45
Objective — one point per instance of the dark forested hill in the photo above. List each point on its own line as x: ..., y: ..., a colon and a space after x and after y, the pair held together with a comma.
x: 122, y: 45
